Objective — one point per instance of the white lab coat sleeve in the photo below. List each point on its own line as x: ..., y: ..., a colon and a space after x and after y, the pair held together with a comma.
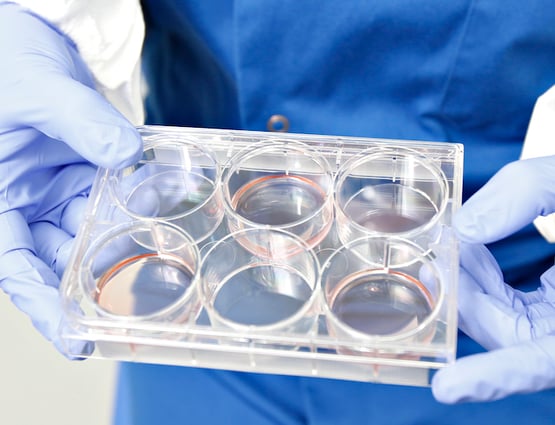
x: 109, y: 35
x: 540, y: 141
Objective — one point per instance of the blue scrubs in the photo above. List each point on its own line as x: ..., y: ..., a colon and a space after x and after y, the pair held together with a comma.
x: 466, y: 71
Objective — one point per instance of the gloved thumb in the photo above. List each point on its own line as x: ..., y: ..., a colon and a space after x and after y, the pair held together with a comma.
x: 94, y: 129
x: 524, y: 368
x: 513, y: 198
x: 46, y: 85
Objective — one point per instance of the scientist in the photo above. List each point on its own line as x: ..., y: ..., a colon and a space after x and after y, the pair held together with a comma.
x: 468, y: 71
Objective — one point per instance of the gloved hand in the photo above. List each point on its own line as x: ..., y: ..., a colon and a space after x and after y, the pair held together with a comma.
x: 518, y: 327
x: 53, y: 127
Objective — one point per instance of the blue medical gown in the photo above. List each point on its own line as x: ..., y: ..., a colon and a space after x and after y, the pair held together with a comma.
x: 460, y: 70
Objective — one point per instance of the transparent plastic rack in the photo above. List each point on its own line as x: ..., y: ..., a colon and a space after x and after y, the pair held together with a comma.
x: 279, y: 253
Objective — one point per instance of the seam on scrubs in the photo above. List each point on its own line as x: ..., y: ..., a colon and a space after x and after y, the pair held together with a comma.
x: 453, y: 65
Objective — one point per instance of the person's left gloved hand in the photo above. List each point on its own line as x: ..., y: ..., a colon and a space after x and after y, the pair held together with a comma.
x: 518, y: 328
x: 53, y: 127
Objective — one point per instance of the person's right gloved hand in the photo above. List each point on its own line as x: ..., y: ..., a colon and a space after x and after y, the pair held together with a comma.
x: 517, y: 327
x: 54, y: 129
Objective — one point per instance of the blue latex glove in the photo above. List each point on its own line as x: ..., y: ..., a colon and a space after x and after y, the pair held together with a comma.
x: 518, y: 327
x: 53, y: 128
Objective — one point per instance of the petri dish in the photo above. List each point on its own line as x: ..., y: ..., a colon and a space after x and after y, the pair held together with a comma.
x: 381, y: 289
x: 260, y: 295
x: 142, y: 271
x: 266, y: 289
x: 389, y: 191
x: 143, y: 285
x: 280, y: 184
x: 381, y: 302
x: 177, y: 181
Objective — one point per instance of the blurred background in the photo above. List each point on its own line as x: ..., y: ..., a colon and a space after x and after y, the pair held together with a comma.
x: 38, y: 385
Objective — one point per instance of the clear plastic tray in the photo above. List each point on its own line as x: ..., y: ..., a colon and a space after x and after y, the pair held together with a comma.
x: 279, y: 253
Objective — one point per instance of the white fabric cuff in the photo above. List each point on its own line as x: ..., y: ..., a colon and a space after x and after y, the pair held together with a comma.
x: 540, y: 141
x: 109, y: 35
x: 540, y: 137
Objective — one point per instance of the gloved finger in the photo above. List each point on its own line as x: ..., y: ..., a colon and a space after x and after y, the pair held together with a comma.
x: 492, y: 312
x: 73, y: 215
x: 540, y: 307
x: 64, y: 106
x: 53, y: 233
x: 55, y: 190
x: 53, y: 245
x: 513, y: 198
x: 96, y: 130
x: 480, y: 263
x: 28, y: 281
x: 490, y: 322
x: 547, y: 289
x: 494, y: 323
x: 31, y: 286
x: 524, y: 368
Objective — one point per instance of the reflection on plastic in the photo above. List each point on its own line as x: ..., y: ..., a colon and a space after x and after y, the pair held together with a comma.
x: 389, y: 208
x: 280, y: 200
x: 389, y: 192
x: 295, y: 196
x: 381, y: 288
x: 143, y: 284
x: 266, y: 288
x: 180, y: 184
x: 261, y: 295
x: 379, y: 302
x: 142, y: 270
